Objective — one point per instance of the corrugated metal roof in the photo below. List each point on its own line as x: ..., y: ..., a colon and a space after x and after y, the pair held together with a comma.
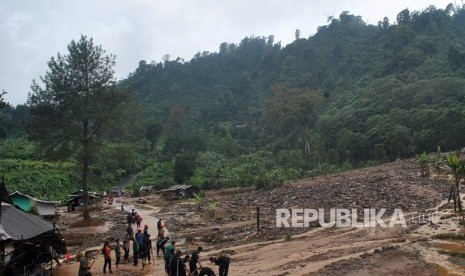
x: 35, y: 199
x: 176, y: 187
x: 22, y: 225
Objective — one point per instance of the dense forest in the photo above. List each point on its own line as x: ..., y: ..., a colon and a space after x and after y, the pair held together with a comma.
x: 260, y: 113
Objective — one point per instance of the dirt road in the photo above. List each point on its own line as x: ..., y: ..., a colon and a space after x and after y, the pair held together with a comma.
x: 434, y: 247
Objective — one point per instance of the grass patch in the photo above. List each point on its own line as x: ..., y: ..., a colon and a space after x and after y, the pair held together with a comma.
x: 450, y: 236
x: 457, y: 254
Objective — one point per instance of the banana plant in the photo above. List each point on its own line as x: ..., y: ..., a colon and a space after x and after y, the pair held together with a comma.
x: 423, y: 161
x: 198, y: 199
x: 213, y: 206
x: 457, y: 167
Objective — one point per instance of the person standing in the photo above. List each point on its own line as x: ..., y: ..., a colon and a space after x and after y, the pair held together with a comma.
x: 135, y: 251
x: 126, y: 245
x: 130, y: 231
x: 129, y: 218
x: 223, y: 263
x: 159, y: 225
x: 169, y: 252
x: 162, y: 239
x: 146, y: 230
x: 195, y: 259
x: 178, y: 266
x: 117, y: 252
x: 84, y: 265
x: 143, y: 254
x: 147, y: 245
x: 139, y: 236
x: 107, y: 256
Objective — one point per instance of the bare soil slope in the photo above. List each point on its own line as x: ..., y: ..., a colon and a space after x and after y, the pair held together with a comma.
x: 232, y: 230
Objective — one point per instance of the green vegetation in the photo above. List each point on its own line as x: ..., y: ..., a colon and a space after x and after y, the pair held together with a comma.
x: 75, y: 108
x: 457, y: 166
x: 213, y: 206
x: 34, y: 210
x: 423, y: 161
x: 459, y: 254
x: 257, y: 113
x: 3, y: 104
x: 198, y: 199
x: 450, y: 236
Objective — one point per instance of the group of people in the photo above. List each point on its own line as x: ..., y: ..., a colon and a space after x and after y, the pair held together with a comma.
x: 133, y: 217
x: 141, y: 242
x: 175, y: 264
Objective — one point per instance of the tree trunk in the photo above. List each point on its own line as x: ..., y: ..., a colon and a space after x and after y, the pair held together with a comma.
x: 85, y: 170
x: 152, y: 145
x: 306, y: 149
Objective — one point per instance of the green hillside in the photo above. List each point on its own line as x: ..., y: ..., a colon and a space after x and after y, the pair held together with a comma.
x: 259, y: 113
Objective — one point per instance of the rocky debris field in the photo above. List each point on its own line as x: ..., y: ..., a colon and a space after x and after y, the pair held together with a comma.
x: 231, y: 227
x: 106, y: 223
x: 389, y: 186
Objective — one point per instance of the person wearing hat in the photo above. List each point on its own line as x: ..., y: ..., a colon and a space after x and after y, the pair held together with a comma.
x: 139, y: 236
x: 84, y: 265
x: 223, y: 263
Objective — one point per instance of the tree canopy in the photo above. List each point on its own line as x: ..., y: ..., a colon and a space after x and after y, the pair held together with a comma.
x: 77, y: 104
x: 256, y: 112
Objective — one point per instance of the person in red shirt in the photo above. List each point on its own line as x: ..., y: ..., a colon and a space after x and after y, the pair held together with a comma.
x: 107, y: 255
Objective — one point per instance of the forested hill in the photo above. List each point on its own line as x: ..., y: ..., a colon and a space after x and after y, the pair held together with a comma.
x: 351, y: 92
x: 258, y: 113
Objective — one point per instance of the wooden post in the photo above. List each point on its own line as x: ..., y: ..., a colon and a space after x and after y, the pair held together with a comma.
x: 258, y: 219
x: 2, y: 183
x: 2, y: 257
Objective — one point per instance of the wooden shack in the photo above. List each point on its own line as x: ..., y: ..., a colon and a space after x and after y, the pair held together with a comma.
x: 28, y: 243
x: 178, y: 192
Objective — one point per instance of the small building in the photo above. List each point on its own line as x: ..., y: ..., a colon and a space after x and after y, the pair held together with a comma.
x: 145, y: 190
x: 27, y: 241
x: 26, y: 202
x: 117, y: 192
x: 178, y: 192
x: 76, y: 199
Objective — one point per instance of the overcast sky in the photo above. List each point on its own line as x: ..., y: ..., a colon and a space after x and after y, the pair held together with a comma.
x: 32, y: 31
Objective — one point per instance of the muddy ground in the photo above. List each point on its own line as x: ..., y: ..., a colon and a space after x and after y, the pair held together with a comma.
x: 427, y: 246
